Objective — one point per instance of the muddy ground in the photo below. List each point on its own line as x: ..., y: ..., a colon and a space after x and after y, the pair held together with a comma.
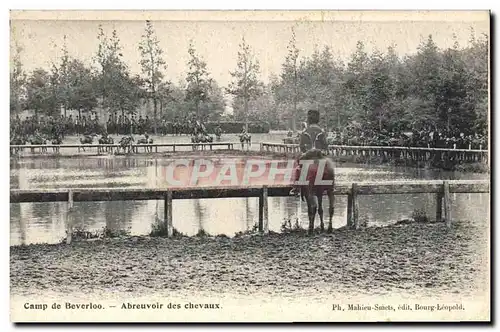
x: 413, y: 258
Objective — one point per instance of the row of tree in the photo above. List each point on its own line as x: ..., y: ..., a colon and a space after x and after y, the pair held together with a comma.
x: 433, y: 88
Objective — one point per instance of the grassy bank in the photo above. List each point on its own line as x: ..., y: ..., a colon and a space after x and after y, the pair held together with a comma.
x: 406, y: 257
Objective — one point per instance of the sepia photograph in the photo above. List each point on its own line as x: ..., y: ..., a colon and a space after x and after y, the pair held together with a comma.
x: 249, y: 166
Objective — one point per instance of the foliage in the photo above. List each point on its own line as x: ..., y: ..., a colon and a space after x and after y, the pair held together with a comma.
x: 39, y: 93
x: 245, y: 85
x: 434, y: 89
x: 420, y: 216
x: 198, y: 82
x: 159, y: 229
x: 152, y: 66
x: 17, y: 82
x: 118, y: 89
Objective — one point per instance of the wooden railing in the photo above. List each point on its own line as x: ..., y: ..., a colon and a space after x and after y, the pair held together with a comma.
x: 389, y: 152
x: 111, y: 148
x: 442, y: 189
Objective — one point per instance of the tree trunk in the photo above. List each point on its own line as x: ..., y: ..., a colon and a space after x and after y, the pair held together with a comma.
x: 155, y: 105
x: 198, y: 109
x: 294, y: 116
x: 80, y: 121
x: 245, y: 109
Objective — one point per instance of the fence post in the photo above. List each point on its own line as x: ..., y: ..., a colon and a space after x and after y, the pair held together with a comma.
x: 168, y: 213
x: 355, y: 209
x: 439, y: 206
x: 447, y: 204
x: 349, y: 211
x: 263, y: 211
x: 352, y: 208
x: 69, y: 226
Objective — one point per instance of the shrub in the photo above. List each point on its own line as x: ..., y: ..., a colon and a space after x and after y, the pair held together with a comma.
x: 420, y: 216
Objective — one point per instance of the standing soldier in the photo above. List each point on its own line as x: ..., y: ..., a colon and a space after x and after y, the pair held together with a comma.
x: 313, y: 138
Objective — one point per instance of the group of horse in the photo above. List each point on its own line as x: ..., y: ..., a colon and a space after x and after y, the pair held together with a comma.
x: 125, y: 143
x: 245, y: 139
x: 311, y: 193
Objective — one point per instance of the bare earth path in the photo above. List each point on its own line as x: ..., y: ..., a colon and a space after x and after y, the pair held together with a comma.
x: 414, y: 259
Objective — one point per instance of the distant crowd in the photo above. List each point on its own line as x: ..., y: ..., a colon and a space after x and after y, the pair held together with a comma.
x: 53, y: 127
x: 57, y: 127
x: 427, y: 138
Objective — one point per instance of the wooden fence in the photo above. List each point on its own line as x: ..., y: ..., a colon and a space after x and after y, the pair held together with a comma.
x: 442, y: 189
x: 116, y: 148
x: 389, y: 152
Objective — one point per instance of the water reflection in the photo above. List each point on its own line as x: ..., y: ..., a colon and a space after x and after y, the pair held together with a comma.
x: 45, y: 222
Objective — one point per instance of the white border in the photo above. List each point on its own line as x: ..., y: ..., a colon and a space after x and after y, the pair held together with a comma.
x: 186, y: 4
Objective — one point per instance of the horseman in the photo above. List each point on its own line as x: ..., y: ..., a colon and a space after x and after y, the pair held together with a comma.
x: 218, y: 130
x: 312, y: 140
x: 244, y: 131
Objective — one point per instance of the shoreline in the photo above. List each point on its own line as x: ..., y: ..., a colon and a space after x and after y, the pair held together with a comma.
x: 473, y: 167
x: 406, y: 257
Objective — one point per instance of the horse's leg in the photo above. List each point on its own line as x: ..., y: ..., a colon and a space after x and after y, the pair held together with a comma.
x: 331, y: 208
x: 319, y: 195
x: 311, y: 209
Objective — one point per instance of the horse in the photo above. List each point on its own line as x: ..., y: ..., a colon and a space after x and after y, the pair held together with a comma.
x: 291, y: 140
x: 126, y: 143
x: 245, y: 138
x: 313, y: 193
x: 218, y: 133
x: 86, y: 139
x: 201, y: 138
x: 105, y: 140
x: 146, y: 140
x: 17, y: 140
x: 38, y: 140
x: 57, y: 140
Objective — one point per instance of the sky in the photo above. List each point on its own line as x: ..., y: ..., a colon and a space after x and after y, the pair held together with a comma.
x: 216, y: 35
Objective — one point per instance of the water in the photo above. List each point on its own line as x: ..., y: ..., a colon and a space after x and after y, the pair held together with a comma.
x: 45, y: 222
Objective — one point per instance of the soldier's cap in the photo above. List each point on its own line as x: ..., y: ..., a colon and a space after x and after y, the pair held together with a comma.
x: 312, y: 112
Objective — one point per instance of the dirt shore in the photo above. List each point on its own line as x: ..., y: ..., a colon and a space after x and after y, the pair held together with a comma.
x: 412, y: 258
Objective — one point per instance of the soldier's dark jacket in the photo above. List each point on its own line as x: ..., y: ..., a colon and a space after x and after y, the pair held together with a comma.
x: 313, y: 138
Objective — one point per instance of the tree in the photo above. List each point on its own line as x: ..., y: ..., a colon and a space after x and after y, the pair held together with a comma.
x: 152, y: 64
x: 425, y: 79
x: 380, y: 91
x: 198, y: 81
x: 82, y: 96
x: 17, y: 82
x: 213, y: 108
x: 357, y: 83
x: 61, y: 77
x: 289, y: 78
x: 245, y: 85
x: 116, y: 87
x: 39, y: 93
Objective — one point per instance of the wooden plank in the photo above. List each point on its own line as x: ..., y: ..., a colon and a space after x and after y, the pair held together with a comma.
x: 279, y: 190
x: 355, y: 206
x: 168, y: 213
x: 447, y: 203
